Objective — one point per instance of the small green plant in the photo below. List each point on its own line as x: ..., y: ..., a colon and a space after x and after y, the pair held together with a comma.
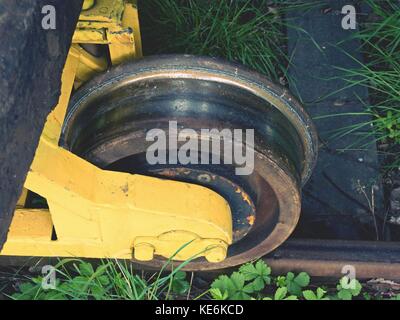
x: 348, y: 288
x: 281, y: 294
x: 389, y: 122
x: 295, y: 284
x: 217, y: 294
x: 234, y: 287
x: 319, y: 294
x: 259, y: 274
x: 87, y: 282
x: 253, y: 281
x: 179, y: 284
x: 110, y: 280
x: 250, y: 279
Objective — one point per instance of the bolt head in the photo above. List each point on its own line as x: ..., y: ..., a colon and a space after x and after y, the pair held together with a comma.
x: 216, y: 254
x: 143, y: 252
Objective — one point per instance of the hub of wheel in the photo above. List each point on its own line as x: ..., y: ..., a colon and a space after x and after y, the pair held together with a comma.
x: 109, y: 119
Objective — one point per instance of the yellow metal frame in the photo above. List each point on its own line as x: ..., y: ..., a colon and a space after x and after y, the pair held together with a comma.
x: 103, y: 214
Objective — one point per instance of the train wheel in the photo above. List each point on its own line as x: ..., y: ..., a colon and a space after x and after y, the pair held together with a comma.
x: 109, y: 117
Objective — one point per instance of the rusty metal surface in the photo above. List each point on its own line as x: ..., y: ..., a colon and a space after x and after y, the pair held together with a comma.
x: 319, y: 258
x: 326, y: 258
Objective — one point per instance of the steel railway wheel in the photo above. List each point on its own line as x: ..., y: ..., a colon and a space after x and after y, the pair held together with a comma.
x: 109, y: 117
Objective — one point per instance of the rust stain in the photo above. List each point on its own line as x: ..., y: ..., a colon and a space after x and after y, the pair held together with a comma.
x: 167, y: 173
x: 125, y: 188
x: 244, y: 195
x: 251, y: 219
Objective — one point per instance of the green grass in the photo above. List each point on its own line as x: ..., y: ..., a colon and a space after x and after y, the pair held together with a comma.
x: 380, y: 43
x: 117, y: 280
x: 250, y: 32
x: 110, y: 280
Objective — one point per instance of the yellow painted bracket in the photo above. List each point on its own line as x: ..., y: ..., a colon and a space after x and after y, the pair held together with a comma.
x: 104, y: 214
x: 114, y: 23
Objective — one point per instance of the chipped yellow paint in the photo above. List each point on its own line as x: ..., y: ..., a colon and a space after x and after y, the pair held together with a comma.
x: 251, y: 219
x: 244, y: 195
x: 88, y: 65
x: 111, y: 22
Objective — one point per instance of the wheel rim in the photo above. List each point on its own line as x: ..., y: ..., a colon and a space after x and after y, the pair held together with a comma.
x: 108, y: 119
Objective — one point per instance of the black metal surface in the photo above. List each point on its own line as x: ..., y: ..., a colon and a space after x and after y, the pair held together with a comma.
x: 334, y: 205
x: 31, y: 63
x: 108, y: 119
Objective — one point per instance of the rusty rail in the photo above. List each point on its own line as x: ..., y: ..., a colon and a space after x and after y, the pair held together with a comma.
x: 319, y: 258
x: 326, y: 258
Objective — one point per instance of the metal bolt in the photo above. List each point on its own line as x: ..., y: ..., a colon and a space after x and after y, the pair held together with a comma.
x: 216, y: 253
x: 143, y: 251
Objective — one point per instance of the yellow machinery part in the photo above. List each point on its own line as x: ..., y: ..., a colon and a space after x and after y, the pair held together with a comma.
x: 104, y: 214
x: 87, y: 4
x: 114, y: 23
